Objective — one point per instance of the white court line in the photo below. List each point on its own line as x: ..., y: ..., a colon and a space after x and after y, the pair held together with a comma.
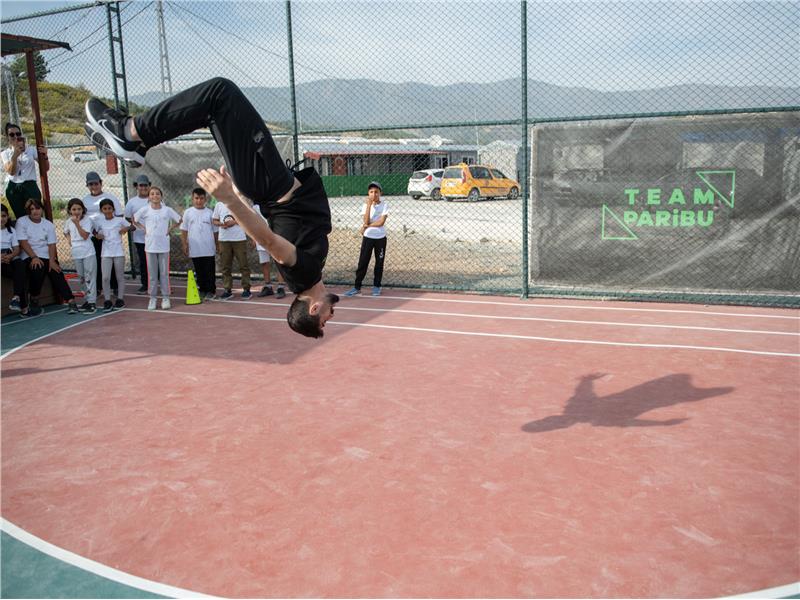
x: 783, y: 591
x: 533, y: 303
x: 95, y: 567
x: 573, y: 321
x: 44, y: 314
x: 494, y: 335
x: 41, y: 337
x: 343, y: 306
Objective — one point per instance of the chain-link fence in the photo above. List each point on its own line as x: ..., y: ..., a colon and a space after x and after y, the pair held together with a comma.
x: 430, y: 100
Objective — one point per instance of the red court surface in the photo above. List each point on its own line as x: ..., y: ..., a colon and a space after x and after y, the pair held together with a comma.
x: 431, y: 445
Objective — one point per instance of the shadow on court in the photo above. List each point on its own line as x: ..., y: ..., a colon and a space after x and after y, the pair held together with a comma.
x: 622, y: 409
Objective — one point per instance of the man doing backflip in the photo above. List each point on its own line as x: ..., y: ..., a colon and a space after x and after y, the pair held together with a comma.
x: 294, y: 203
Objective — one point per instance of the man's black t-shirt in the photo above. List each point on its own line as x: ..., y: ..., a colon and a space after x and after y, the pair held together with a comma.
x: 305, y: 220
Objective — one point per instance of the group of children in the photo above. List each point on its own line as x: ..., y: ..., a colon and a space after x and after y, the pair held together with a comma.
x: 96, y: 240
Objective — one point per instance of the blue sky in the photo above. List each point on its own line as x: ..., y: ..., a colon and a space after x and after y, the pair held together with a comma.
x: 605, y: 46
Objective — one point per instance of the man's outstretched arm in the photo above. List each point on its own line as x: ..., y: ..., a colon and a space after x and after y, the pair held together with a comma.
x: 220, y: 185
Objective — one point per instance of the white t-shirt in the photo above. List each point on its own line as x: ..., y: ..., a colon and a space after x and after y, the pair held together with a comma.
x: 375, y: 213
x: 8, y: 239
x: 156, y: 224
x: 200, y: 231
x: 263, y: 253
x: 230, y: 234
x: 81, y: 248
x: 92, y: 204
x: 26, y: 164
x: 39, y: 235
x: 112, y: 237
x: 133, y: 206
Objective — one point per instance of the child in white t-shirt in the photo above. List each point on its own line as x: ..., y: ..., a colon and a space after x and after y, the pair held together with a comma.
x: 199, y: 239
x: 265, y: 260
x: 158, y: 221
x: 112, y: 229
x: 78, y: 228
x: 12, y: 266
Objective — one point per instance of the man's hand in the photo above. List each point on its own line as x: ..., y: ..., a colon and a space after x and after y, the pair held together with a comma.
x: 217, y: 183
x: 36, y: 263
x: 6, y: 258
x: 54, y: 266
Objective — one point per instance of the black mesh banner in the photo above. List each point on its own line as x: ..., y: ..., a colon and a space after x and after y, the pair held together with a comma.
x: 673, y: 205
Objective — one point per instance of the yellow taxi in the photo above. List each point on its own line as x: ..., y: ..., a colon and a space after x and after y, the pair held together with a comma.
x: 475, y: 182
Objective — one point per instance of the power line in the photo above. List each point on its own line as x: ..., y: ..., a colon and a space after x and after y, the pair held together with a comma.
x: 308, y: 68
x: 102, y: 39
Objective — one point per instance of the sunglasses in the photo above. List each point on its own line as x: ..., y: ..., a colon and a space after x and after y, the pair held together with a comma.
x: 17, y: 134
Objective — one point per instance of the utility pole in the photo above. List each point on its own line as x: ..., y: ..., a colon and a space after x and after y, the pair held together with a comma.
x: 166, y: 78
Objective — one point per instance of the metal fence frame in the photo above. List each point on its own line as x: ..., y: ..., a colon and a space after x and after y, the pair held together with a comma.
x: 524, y: 123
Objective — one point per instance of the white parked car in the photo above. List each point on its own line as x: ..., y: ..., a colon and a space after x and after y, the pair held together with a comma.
x: 83, y: 156
x: 426, y: 183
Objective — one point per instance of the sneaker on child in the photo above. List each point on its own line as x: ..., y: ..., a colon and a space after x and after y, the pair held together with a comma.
x: 14, y: 305
x: 265, y: 291
x: 107, y: 306
x: 376, y: 291
x: 151, y: 305
x: 87, y: 307
x: 352, y: 292
x: 246, y: 295
x: 119, y: 303
x: 165, y: 304
x: 226, y: 295
x: 281, y: 293
x: 73, y: 308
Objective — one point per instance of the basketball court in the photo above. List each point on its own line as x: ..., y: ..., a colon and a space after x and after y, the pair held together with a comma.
x: 431, y: 445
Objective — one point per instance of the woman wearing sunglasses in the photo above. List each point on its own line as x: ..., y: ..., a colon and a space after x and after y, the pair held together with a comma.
x: 19, y: 165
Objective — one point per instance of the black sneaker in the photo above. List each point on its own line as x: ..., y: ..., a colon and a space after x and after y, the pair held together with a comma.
x: 73, y: 308
x: 105, y: 126
x: 226, y: 295
x: 142, y: 289
x: 246, y: 295
x: 265, y: 291
x: 88, y: 308
x: 119, y: 303
x: 281, y: 293
x: 33, y: 311
x: 107, y: 306
x: 14, y: 305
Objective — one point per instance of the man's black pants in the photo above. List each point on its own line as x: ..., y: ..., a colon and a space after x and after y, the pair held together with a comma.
x: 246, y: 144
x: 368, y: 246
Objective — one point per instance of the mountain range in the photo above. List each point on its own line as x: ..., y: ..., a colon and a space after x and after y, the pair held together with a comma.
x: 361, y: 103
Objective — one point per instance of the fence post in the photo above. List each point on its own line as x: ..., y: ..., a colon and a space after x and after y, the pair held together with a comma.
x: 524, y: 147
x: 291, y: 80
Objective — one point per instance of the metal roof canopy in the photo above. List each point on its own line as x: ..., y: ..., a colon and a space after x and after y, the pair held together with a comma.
x: 20, y: 44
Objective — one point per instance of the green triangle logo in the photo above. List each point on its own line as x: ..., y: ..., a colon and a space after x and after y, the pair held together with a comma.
x: 613, y: 228
x: 722, y: 183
